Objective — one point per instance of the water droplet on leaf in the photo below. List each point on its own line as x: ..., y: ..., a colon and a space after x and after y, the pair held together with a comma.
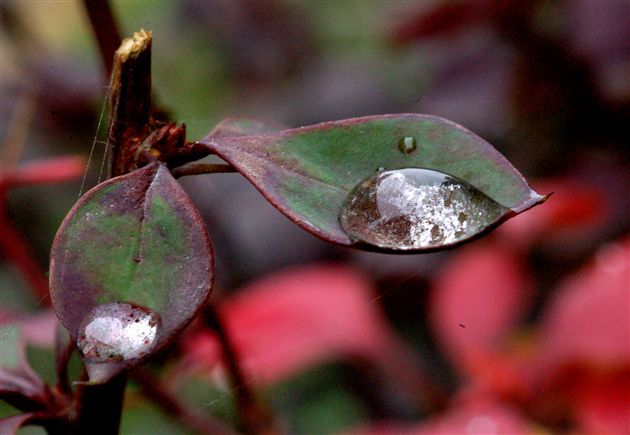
x: 407, y: 144
x: 416, y: 209
x: 118, y: 331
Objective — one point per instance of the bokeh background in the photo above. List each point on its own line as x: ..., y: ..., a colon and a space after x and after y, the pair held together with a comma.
x: 525, y: 330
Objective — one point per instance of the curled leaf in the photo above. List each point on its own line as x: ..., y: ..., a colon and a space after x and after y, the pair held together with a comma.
x: 10, y: 425
x: 370, y: 165
x: 130, y: 266
x: 19, y: 384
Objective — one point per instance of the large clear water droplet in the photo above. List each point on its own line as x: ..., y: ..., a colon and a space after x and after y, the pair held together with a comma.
x: 416, y: 209
x: 118, y: 331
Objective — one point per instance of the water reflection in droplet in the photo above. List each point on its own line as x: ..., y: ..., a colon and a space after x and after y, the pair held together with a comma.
x: 407, y: 144
x: 118, y: 331
x: 416, y: 209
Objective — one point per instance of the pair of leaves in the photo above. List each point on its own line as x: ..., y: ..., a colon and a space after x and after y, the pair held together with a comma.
x: 138, y: 239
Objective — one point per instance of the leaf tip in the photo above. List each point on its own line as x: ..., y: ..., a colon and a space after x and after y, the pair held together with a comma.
x: 533, y: 200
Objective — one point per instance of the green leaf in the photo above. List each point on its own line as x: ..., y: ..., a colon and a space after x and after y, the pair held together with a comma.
x: 308, y: 173
x: 135, y: 239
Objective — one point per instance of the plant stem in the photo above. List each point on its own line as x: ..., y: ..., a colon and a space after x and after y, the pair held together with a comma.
x: 202, y: 168
x: 101, y: 407
x: 64, y: 347
x: 153, y: 389
x: 130, y: 101
x: 19, y: 126
x: 105, y: 30
x: 138, y: 134
x: 12, y: 242
x: 254, y: 418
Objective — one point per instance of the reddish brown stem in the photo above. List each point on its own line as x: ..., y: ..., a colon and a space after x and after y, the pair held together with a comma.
x: 136, y: 136
x: 202, y: 168
x: 255, y: 419
x: 17, y: 251
x: 130, y: 102
x: 101, y: 406
x: 154, y: 390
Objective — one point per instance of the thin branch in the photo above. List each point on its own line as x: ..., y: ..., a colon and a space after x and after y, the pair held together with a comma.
x: 202, y: 168
x: 15, y: 138
x: 14, y: 248
x: 105, y: 30
x: 153, y: 389
x: 254, y: 418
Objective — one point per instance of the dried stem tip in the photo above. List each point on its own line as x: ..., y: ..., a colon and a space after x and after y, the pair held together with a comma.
x: 132, y: 47
x: 130, y: 101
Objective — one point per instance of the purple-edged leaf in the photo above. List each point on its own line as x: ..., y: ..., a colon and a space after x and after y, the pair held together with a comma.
x: 311, y: 174
x: 10, y: 425
x: 130, y: 266
x: 19, y: 384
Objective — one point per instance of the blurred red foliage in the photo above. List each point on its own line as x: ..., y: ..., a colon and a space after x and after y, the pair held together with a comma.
x: 284, y: 323
x: 572, y: 367
x: 530, y: 353
x: 571, y: 370
x: 12, y: 246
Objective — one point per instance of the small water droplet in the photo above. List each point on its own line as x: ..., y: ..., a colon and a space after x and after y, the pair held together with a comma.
x: 380, y: 169
x: 416, y: 209
x: 118, y: 331
x: 407, y: 144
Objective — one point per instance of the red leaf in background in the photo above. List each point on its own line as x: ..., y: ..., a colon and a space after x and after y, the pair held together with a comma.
x: 287, y: 322
x: 479, y: 417
x: 601, y: 401
x: 479, y: 296
x: 575, y: 210
x: 585, y: 343
x: 589, y: 318
x: 43, y: 171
